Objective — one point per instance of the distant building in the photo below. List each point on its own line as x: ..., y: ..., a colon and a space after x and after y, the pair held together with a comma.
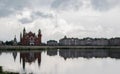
x: 69, y: 41
x: 100, y: 42
x: 97, y: 41
x: 52, y: 43
x: 114, y: 41
x: 1, y: 43
x: 86, y: 41
x: 30, y: 38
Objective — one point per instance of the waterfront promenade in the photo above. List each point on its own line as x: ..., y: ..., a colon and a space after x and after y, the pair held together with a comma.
x: 56, y: 47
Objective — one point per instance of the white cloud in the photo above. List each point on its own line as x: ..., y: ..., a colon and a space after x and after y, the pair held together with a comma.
x: 56, y: 18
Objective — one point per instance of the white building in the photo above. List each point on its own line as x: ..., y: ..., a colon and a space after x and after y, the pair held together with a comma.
x: 69, y: 41
x: 100, y: 42
x: 85, y: 41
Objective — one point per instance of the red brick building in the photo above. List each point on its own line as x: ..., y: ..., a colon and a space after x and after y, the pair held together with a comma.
x: 30, y: 38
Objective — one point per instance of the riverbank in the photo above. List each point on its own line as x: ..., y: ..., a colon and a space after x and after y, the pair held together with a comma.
x: 55, y: 47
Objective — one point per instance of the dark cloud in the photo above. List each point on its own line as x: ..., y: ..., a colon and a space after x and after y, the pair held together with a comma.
x: 5, y: 12
x: 104, y: 5
x: 8, y: 7
x: 25, y: 20
x: 34, y: 16
x: 42, y: 14
x: 66, y: 4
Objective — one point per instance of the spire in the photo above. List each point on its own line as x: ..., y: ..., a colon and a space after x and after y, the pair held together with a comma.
x: 39, y: 36
x: 24, y: 31
x: 39, y: 31
x: 15, y: 40
x: 20, y: 36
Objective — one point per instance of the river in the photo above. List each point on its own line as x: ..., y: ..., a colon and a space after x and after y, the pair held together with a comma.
x: 62, y: 61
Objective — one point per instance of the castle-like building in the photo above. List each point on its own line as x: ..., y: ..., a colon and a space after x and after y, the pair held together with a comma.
x: 30, y: 38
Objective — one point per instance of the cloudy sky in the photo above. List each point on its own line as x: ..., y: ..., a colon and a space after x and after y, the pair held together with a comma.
x: 57, y: 18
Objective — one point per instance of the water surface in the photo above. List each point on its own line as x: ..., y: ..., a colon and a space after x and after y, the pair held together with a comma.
x: 67, y: 61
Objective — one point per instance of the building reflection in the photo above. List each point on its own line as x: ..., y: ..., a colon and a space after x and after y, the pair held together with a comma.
x: 30, y: 57
x: 115, y: 53
x: 14, y: 55
x: 89, y: 53
x: 0, y: 52
x: 75, y: 53
x: 52, y: 52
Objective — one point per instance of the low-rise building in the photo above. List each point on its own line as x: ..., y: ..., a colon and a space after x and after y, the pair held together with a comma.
x: 52, y: 43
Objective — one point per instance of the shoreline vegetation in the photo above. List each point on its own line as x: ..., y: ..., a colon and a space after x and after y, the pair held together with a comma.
x: 6, y: 72
x: 20, y: 48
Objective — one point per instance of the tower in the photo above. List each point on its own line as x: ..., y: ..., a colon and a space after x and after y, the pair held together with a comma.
x: 39, y: 32
x: 15, y: 41
x: 20, y: 37
x: 39, y: 36
x: 24, y: 32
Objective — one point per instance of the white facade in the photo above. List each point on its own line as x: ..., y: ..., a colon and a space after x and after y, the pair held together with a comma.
x: 69, y: 41
x: 101, y: 42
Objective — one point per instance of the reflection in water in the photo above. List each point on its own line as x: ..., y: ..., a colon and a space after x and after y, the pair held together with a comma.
x: 14, y: 55
x: 86, y: 53
x: 51, y: 52
x: 89, y: 53
x: 29, y: 57
x: 83, y: 53
x: 0, y: 53
x: 60, y: 57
